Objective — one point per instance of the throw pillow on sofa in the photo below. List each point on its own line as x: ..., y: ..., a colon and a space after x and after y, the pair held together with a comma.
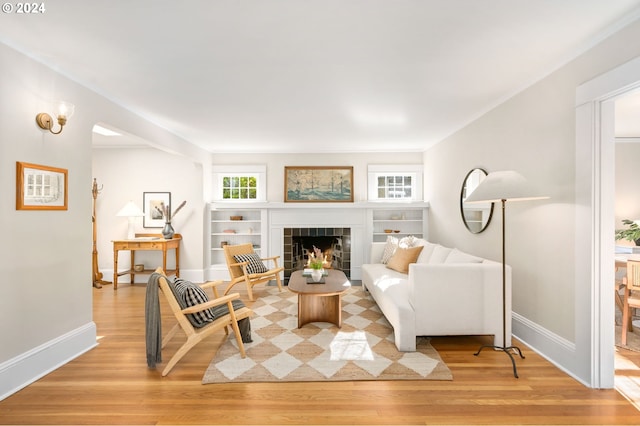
x: 389, y: 248
x: 403, y: 257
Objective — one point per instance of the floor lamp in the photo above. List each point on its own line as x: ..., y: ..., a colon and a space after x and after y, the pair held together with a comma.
x: 503, y: 186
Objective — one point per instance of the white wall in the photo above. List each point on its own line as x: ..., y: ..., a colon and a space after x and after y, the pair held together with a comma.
x: 534, y: 134
x: 627, y: 191
x: 276, y: 163
x: 124, y: 174
x: 46, y: 301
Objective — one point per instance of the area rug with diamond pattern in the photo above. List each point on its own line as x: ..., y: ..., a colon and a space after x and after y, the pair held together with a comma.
x: 363, y: 349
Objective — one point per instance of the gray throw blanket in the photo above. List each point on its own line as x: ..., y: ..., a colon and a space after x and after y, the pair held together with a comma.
x: 153, y: 324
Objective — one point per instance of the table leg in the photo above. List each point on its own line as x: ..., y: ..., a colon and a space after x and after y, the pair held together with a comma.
x: 115, y: 269
x: 164, y: 259
x: 132, y: 274
x: 178, y: 261
x: 319, y: 308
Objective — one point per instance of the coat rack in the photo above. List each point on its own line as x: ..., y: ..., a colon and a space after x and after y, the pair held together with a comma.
x: 97, y: 275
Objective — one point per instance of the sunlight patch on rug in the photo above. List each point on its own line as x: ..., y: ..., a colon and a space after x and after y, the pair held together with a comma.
x: 363, y: 349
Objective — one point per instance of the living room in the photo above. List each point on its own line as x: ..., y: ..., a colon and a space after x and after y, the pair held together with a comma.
x: 535, y: 131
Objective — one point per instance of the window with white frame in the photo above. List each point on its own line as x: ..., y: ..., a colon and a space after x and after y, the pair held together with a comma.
x: 395, y: 182
x: 239, y: 183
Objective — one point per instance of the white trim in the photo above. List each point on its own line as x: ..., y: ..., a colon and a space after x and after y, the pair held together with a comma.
x: 595, y: 193
x: 413, y: 170
x: 21, y: 371
x: 218, y: 171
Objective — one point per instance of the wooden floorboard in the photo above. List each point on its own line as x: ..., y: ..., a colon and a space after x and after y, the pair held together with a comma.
x: 111, y: 384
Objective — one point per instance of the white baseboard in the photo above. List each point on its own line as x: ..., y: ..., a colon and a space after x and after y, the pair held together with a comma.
x: 30, y: 366
x: 555, y: 349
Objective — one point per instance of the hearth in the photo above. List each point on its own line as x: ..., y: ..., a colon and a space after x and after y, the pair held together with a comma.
x: 334, y: 242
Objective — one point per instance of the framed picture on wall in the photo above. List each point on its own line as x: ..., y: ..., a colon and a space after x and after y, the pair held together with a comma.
x: 40, y: 187
x: 153, y: 205
x: 318, y: 184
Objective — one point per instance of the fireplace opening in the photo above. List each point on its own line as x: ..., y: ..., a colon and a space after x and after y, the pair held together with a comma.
x: 302, y: 248
x: 335, y: 244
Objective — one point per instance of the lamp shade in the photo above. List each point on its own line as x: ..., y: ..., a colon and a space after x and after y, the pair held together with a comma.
x: 130, y: 210
x: 504, y: 185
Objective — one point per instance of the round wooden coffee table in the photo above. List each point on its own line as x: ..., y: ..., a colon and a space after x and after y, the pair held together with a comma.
x: 320, y: 302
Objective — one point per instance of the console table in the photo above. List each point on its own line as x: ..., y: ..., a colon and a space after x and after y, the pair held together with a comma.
x: 145, y: 242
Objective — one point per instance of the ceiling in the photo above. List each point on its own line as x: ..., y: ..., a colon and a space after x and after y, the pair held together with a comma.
x: 311, y: 75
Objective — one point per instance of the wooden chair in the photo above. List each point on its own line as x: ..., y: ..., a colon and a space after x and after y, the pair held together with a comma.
x: 238, y: 270
x: 630, y: 300
x: 196, y: 335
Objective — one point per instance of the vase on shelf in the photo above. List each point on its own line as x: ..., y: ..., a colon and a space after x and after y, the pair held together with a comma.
x: 316, y: 275
x: 167, y: 231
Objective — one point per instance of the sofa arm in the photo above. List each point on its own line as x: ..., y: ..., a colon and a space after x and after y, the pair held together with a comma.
x: 466, y: 297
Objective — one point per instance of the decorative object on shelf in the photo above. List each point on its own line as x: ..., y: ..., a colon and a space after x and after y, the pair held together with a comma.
x: 97, y: 275
x: 130, y: 211
x: 138, y: 268
x: 235, y: 217
x: 630, y: 234
x: 168, y: 231
x: 40, y: 187
x: 503, y: 186
x: 63, y: 111
x: 388, y: 231
x: 475, y: 217
x: 326, y: 184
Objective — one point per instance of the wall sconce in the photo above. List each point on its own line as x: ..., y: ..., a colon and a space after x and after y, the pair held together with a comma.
x: 64, y: 111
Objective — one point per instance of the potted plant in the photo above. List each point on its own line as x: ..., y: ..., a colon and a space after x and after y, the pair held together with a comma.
x: 631, y: 234
x: 316, y: 263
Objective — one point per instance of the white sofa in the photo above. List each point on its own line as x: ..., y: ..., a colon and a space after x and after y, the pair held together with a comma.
x: 445, y: 292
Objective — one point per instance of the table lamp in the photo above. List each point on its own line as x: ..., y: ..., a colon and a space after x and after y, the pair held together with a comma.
x: 131, y: 211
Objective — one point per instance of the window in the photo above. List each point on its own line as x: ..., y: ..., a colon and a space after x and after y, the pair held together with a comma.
x: 395, y: 186
x: 239, y: 183
x: 239, y: 187
x: 395, y: 182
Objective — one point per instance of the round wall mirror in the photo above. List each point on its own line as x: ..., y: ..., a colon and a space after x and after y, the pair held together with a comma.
x: 476, y: 216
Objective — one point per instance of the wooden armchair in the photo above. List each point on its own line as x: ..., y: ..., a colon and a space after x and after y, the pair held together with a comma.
x: 240, y: 271
x: 194, y: 334
x: 630, y: 300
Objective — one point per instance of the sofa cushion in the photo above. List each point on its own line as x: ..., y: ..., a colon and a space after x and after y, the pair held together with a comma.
x: 389, y: 248
x: 403, y: 257
x: 408, y: 241
x: 426, y: 252
x: 456, y: 256
x: 439, y: 254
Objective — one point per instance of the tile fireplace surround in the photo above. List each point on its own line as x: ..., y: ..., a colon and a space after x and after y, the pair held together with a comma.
x: 291, y: 235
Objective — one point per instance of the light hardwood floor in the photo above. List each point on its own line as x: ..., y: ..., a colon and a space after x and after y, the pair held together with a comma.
x: 111, y: 384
